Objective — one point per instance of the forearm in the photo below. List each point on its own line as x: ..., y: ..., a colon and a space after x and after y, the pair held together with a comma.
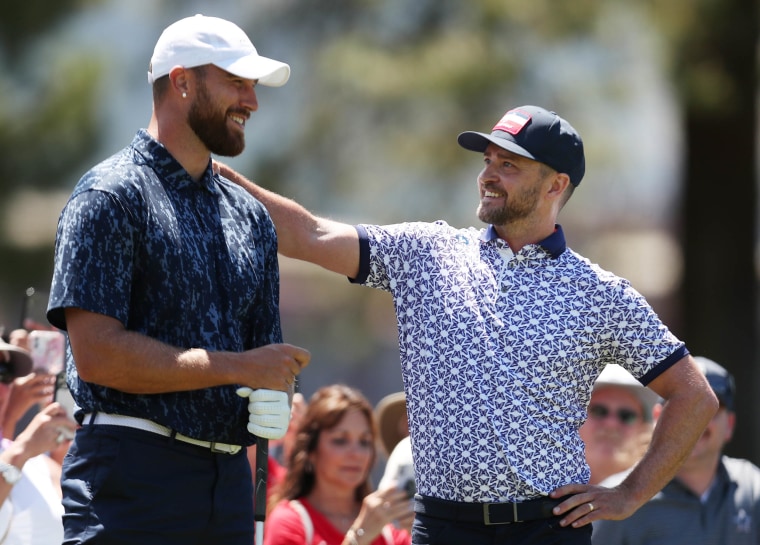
x: 292, y: 221
x: 678, y: 428
x: 109, y: 355
x: 134, y: 363
x: 302, y: 235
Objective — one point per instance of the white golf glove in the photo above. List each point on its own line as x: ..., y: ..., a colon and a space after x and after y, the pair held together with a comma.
x: 269, y: 412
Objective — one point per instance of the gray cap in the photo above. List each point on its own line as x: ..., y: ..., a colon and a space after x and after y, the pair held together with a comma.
x: 721, y: 381
x: 614, y: 375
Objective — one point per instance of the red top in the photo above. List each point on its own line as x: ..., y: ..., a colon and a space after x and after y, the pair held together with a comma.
x: 284, y: 526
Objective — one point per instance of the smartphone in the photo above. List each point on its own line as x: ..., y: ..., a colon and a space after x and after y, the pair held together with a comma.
x: 63, y: 396
x: 406, y: 480
x: 48, y: 350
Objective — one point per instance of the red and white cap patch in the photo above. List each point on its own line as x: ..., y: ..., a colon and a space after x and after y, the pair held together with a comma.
x: 513, y: 121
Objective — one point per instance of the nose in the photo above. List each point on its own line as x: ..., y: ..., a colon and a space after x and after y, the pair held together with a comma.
x: 487, y: 174
x: 249, y: 100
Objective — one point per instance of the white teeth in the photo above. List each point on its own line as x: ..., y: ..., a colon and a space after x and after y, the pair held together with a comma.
x: 490, y: 194
x: 238, y: 120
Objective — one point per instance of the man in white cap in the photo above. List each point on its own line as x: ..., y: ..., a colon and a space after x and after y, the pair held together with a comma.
x: 714, y: 498
x: 619, y: 424
x: 166, y: 280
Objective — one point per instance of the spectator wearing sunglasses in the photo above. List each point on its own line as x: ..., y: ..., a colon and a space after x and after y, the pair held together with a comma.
x: 30, y: 497
x: 713, y: 498
x: 619, y: 424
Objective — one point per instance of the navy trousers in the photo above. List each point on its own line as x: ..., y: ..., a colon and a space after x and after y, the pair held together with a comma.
x: 126, y: 486
x: 428, y: 530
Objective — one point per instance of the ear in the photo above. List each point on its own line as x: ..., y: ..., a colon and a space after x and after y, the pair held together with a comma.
x: 560, y: 181
x: 656, y: 410
x: 730, y: 424
x: 180, y: 80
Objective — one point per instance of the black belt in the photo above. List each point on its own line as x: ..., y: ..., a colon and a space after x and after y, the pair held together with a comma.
x: 486, y: 513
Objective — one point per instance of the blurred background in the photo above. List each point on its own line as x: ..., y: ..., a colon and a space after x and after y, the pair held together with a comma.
x: 664, y: 94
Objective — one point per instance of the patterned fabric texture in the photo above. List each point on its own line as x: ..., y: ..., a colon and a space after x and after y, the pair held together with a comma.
x: 499, y: 352
x: 190, y: 264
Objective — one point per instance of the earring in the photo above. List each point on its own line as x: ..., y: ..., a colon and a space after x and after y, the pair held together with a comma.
x: 184, y: 94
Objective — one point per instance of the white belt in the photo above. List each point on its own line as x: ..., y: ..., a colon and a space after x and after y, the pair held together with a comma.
x: 149, y: 425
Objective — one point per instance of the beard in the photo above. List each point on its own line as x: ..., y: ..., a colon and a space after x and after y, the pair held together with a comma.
x: 210, y: 126
x: 515, y: 208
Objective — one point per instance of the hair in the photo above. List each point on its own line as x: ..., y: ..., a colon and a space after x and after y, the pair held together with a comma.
x: 546, y: 171
x: 324, y: 411
x: 567, y: 194
x: 162, y: 84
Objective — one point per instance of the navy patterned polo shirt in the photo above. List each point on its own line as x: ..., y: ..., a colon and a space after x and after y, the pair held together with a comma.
x: 499, y: 353
x: 191, y: 264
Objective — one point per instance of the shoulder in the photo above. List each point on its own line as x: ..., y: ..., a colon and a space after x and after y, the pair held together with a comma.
x: 418, y: 235
x: 742, y: 471
x: 285, y: 516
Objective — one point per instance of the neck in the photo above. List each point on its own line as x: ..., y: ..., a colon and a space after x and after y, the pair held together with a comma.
x: 520, y: 235
x: 334, y: 503
x: 697, y: 475
x: 183, y: 144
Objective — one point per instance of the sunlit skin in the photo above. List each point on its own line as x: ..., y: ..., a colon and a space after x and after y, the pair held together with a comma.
x: 342, y: 462
x: 611, y: 445
x: 698, y: 471
x: 219, y: 122
x: 520, y: 197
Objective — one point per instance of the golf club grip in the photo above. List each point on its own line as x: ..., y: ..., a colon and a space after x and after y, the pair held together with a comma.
x: 260, y: 482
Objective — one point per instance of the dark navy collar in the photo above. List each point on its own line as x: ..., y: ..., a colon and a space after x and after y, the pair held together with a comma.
x: 554, y: 244
x: 167, y: 167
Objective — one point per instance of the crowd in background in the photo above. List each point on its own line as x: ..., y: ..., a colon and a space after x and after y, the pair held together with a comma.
x: 321, y: 472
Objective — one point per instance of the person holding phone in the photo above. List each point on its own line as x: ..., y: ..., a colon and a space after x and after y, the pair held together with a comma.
x: 35, y: 389
x: 326, y: 496
x: 30, y: 493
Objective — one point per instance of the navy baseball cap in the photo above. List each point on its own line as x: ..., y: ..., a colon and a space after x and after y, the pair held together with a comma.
x: 537, y: 134
x: 720, y: 380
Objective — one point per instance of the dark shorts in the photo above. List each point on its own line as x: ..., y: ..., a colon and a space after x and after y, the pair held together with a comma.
x: 127, y: 486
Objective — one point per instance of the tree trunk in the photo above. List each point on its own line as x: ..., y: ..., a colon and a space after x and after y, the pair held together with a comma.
x: 720, y: 198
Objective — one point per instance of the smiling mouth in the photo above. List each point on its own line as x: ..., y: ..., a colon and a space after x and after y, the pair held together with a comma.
x: 491, y: 195
x: 238, y: 119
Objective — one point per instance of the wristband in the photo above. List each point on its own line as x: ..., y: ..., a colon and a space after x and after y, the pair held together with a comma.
x: 353, y: 533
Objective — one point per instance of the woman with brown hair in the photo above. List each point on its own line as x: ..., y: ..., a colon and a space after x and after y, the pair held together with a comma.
x: 326, y: 497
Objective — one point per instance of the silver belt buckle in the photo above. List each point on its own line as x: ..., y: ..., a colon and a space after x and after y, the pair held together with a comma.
x: 487, y: 515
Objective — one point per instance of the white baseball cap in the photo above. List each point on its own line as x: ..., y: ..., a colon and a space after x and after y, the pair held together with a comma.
x: 195, y: 41
x: 614, y: 375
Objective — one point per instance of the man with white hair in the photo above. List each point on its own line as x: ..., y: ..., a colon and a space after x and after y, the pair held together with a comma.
x: 714, y: 498
x: 619, y: 424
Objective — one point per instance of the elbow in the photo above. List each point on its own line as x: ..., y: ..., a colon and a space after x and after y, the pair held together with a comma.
x: 712, y: 404
x: 87, y: 367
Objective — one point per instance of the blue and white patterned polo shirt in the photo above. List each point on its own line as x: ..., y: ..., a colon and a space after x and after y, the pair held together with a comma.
x: 499, y: 353
x: 191, y: 264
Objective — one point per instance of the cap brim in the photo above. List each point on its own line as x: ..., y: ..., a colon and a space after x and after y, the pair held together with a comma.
x: 388, y: 412
x: 20, y: 359
x: 268, y: 72
x: 478, y: 141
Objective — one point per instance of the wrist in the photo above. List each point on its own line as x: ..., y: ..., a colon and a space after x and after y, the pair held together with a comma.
x: 16, y: 454
x: 354, y: 534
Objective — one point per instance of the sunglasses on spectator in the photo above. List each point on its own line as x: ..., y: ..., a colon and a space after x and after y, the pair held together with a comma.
x: 626, y: 417
x: 7, y: 373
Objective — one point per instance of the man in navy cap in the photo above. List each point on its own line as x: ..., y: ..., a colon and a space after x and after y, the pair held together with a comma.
x: 713, y: 499
x: 502, y: 332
